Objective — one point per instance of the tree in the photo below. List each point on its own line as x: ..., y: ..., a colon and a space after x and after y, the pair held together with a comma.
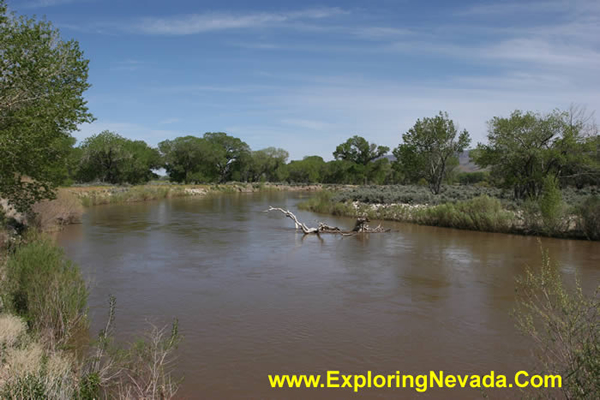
x: 267, y: 164
x: 428, y: 149
x: 111, y: 158
x: 359, y: 151
x: 526, y: 147
x: 308, y: 170
x: 231, y: 155
x: 189, y: 159
x: 42, y: 80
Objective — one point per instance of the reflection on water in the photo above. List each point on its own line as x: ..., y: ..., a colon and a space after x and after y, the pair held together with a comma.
x: 254, y: 297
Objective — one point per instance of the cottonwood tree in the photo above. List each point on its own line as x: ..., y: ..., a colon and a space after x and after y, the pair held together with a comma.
x: 111, y: 158
x: 429, y: 148
x: 526, y: 147
x: 231, y: 155
x: 358, y: 150
x: 308, y: 170
x: 189, y: 159
x: 268, y: 164
x: 42, y: 81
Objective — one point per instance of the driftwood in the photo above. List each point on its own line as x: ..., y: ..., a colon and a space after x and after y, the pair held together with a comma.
x: 359, y: 227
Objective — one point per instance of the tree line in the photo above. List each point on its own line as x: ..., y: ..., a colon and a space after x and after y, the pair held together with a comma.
x: 522, y: 149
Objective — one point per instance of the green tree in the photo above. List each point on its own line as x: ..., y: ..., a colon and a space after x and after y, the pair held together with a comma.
x: 231, y: 155
x: 109, y: 157
x: 143, y: 160
x: 526, y: 147
x: 189, y: 159
x: 267, y: 164
x: 358, y: 150
x: 429, y: 149
x: 308, y: 170
x: 42, y: 81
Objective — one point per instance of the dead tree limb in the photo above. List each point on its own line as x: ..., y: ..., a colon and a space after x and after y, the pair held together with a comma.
x: 359, y: 227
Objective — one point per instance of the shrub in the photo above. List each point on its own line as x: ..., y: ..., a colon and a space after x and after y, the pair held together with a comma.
x: 589, y: 217
x: 552, y: 206
x: 481, y: 214
x: 47, y: 290
x: 565, y: 326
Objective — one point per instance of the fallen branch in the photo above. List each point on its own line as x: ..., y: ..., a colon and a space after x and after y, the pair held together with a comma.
x: 359, y: 227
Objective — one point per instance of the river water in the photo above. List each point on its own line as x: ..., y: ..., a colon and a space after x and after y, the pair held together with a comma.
x: 254, y: 297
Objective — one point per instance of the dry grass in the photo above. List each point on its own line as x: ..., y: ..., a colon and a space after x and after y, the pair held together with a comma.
x: 66, y: 209
x: 27, y: 369
x: 12, y: 330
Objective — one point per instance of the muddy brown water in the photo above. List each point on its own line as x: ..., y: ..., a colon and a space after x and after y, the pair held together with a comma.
x: 254, y: 297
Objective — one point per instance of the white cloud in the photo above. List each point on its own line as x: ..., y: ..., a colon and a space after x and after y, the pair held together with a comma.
x: 48, y: 3
x: 208, y: 22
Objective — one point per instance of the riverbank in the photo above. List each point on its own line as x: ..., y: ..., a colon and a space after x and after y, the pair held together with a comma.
x: 70, y: 202
x: 97, y: 195
x: 576, y: 215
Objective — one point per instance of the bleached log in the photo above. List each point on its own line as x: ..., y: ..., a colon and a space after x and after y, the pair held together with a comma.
x: 359, y: 227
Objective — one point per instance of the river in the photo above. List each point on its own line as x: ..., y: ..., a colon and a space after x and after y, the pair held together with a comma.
x: 254, y: 297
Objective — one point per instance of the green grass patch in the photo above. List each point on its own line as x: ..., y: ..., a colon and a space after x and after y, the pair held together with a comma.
x: 47, y: 290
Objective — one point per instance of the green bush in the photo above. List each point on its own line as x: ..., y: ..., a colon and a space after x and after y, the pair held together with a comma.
x: 565, y: 328
x: 552, y: 206
x: 47, y: 290
x: 589, y: 217
x: 482, y: 213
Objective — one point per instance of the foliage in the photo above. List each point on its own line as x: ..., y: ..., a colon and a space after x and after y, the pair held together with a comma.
x: 268, y: 165
x: 47, y: 290
x: 589, y: 217
x: 481, y: 213
x: 565, y: 327
x: 42, y: 80
x: 526, y: 147
x: 189, y: 159
x: 472, y: 178
x: 415, y: 194
x: 428, y: 149
x: 359, y: 151
x: 552, y: 207
x: 308, y: 170
x: 231, y: 156
x: 109, y: 157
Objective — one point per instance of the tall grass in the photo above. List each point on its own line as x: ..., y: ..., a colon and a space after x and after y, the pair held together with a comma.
x: 47, y: 290
x: 50, y: 215
x: 482, y: 213
x: 46, y: 298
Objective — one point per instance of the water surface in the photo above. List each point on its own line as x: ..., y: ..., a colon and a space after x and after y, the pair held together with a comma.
x: 254, y: 297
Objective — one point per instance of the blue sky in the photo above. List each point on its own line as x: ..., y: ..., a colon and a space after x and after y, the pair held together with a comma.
x: 307, y: 75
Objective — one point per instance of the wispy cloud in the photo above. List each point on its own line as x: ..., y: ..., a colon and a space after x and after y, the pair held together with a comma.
x: 208, y: 22
x: 126, y: 65
x: 308, y: 124
x: 48, y: 3
x: 513, y: 7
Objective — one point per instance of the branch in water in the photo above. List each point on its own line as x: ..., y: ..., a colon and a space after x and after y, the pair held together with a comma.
x: 359, y: 227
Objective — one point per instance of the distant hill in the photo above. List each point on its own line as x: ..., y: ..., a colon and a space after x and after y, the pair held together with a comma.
x: 465, y: 164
